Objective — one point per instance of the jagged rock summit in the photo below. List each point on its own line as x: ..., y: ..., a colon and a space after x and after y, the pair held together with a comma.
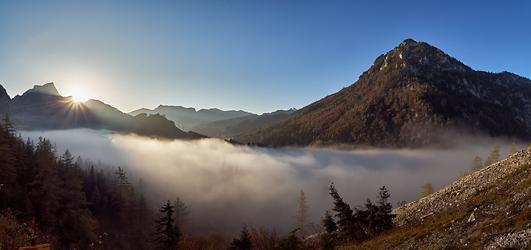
x: 48, y: 89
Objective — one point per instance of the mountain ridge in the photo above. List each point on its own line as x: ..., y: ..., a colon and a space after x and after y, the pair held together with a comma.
x: 405, y: 99
x: 42, y: 107
x: 186, y: 118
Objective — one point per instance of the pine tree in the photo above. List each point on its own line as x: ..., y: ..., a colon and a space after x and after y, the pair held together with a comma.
x: 494, y: 156
x: 292, y: 242
x: 369, y: 217
x: 243, y: 242
x: 348, y: 225
x: 328, y: 222
x: 426, y: 190
x: 343, y: 211
x: 167, y: 234
x: 477, y: 164
x: 75, y: 225
x: 328, y: 238
x: 8, y: 126
x: 384, y: 216
x: 302, y: 213
x: 181, y: 212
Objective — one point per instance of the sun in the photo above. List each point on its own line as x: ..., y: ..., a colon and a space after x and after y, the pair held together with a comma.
x: 80, y: 98
x: 78, y: 93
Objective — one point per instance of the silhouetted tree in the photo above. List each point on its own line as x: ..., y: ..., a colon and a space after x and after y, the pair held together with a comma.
x: 243, y: 242
x: 328, y: 239
x: 384, y: 214
x: 328, y: 222
x: 181, y: 211
x: 302, y: 213
x: 167, y: 234
x: 292, y: 242
x: 348, y: 226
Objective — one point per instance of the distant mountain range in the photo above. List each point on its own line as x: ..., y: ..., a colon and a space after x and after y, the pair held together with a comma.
x: 412, y: 96
x: 236, y: 128
x: 187, y: 118
x: 42, y: 107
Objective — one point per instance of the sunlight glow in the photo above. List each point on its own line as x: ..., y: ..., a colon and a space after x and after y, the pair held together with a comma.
x: 78, y: 92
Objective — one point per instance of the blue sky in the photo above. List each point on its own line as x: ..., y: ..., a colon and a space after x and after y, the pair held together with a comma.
x: 258, y: 56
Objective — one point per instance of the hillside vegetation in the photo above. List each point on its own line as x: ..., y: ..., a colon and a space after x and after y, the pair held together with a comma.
x: 489, y: 208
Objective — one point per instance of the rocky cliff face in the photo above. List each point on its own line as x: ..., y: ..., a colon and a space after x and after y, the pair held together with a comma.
x: 406, y: 99
x: 487, y: 209
x: 4, y: 100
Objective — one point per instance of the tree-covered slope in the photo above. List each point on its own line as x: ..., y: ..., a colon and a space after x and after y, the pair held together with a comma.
x: 408, y: 97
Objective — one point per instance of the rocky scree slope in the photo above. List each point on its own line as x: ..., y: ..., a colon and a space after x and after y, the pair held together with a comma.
x: 489, y: 208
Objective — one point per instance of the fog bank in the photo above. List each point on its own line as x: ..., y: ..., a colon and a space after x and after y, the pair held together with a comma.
x: 226, y: 186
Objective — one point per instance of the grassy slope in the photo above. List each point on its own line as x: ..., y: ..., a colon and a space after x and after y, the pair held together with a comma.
x: 503, y: 207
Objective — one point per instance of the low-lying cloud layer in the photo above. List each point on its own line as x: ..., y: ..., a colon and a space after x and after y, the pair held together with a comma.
x: 226, y: 186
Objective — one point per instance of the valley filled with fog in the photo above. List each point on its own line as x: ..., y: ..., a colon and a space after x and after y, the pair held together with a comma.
x: 226, y: 186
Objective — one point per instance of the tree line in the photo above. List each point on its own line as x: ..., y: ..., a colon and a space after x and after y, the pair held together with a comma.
x: 51, y: 198
x: 47, y: 197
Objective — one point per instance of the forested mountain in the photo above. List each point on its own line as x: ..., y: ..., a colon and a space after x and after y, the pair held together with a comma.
x: 45, y: 198
x: 410, y: 97
x: 42, y: 107
x: 238, y: 127
x: 187, y: 118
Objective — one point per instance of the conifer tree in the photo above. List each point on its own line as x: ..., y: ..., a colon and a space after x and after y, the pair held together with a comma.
x: 348, y: 225
x: 167, y: 234
x: 494, y: 156
x: 477, y: 164
x: 426, y: 190
x: 243, y: 242
x: 384, y: 216
x: 302, y: 213
x: 328, y: 238
x: 328, y: 222
x: 181, y: 211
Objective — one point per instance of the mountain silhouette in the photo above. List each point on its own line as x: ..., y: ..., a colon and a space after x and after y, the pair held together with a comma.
x: 42, y: 107
x: 187, y: 118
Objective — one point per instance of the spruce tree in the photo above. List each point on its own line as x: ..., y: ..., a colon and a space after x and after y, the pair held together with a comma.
x: 343, y: 211
x: 328, y: 222
x: 494, y: 156
x: 385, y: 209
x: 243, y: 242
x: 167, y: 234
x: 181, y: 211
x: 302, y: 213
x: 328, y: 238
x: 477, y: 164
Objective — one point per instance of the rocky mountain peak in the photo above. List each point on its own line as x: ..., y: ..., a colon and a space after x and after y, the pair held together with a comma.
x: 47, y: 89
x: 416, y: 58
x: 3, y: 94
